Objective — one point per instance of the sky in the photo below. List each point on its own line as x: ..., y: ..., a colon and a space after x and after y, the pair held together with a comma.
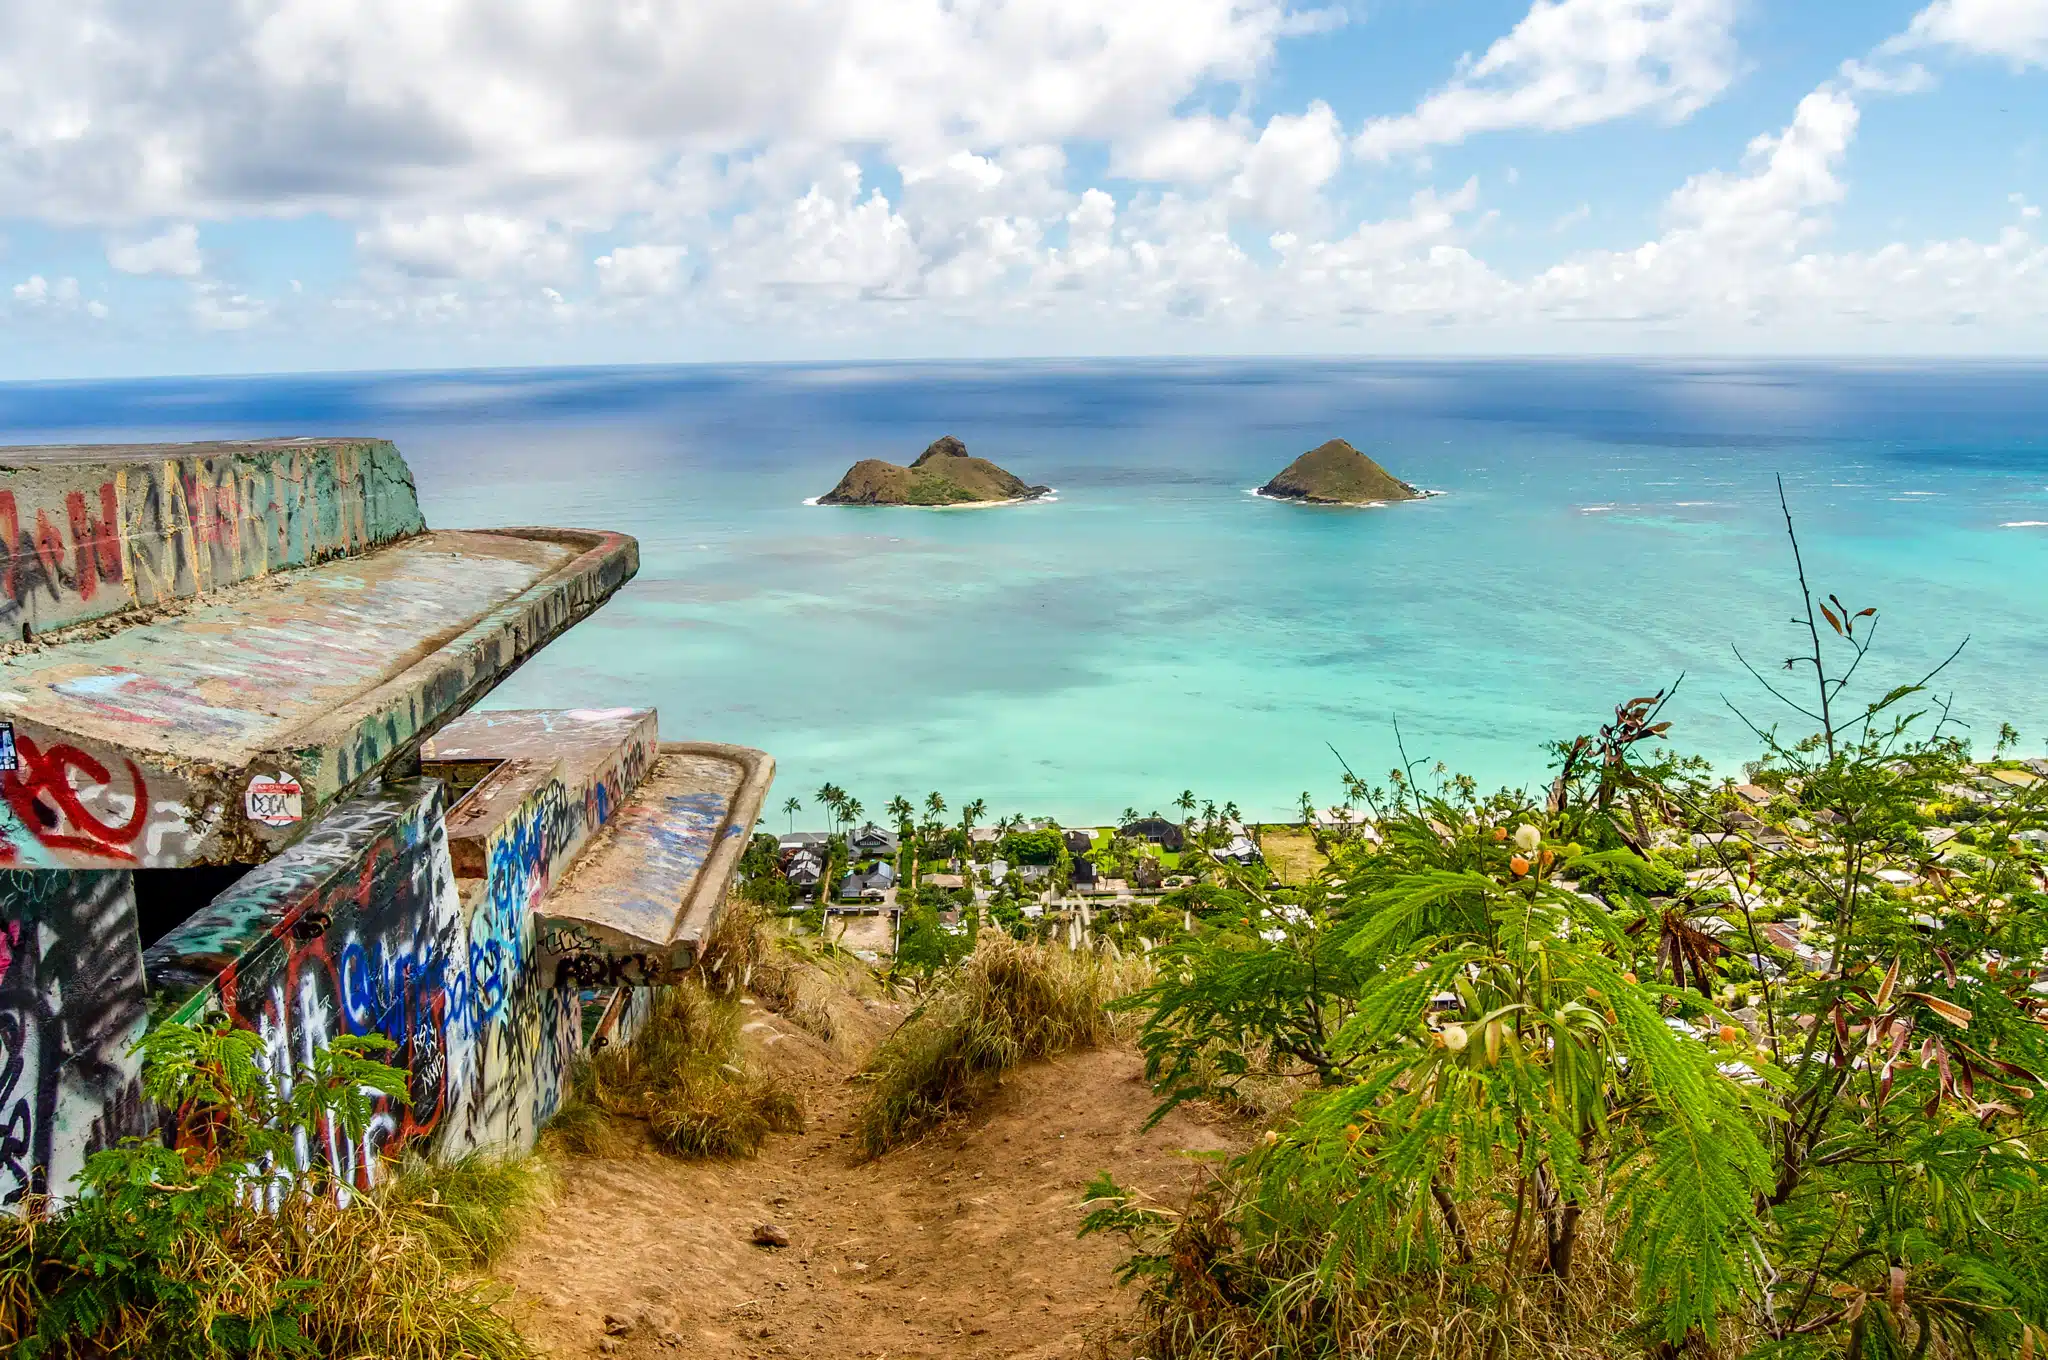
x: 276, y: 185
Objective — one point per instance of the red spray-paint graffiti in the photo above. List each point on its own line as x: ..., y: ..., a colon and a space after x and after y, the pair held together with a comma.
x: 47, y: 801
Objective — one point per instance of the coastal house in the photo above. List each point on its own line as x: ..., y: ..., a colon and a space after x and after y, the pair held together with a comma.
x: 802, y: 868
x: 1084, y: 873
x: 802, y: 840
x: 872, y: 842
x: 1156, y: 830
x: 1079, y: 842
x: 871, y: 886
x: 998, y: 870
x: 948, y: 882
x: 1753, y: 794
x: 1240, y: 850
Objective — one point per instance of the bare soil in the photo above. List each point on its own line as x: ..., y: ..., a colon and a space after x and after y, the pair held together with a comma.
x: 960, y: 1245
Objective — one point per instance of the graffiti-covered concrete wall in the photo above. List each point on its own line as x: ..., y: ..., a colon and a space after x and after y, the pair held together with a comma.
x: 355, y: 930
x: 71, y: 1006
x: 93, y: 531
x: 363, y: 928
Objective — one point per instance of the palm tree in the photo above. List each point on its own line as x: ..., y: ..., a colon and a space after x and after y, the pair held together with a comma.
x: 900, y: 812
x: 792, y: 806
x: 1186, y: 804
x: 850, y: 811
x: 1308, y: 808
x: 1130, y: 815
x: 933, y: 803
x: 830, y: 796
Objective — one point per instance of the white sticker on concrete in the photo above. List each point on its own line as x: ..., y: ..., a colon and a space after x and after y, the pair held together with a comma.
x: 274, y: 800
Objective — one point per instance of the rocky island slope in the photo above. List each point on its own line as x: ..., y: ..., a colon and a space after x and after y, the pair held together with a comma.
x: 1338, y: 474
x: 944, y: 474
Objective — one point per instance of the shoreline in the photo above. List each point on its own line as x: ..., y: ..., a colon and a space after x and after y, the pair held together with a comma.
x: 1048, y: 495
x: 1260, y: 494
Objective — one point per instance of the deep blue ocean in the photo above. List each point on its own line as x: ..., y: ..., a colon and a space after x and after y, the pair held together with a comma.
x: 1605, y: 528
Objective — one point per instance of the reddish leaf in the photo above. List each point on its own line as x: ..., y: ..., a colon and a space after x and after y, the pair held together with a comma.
x: 1947, y: 1010
x: 1898, y: 1291
x: 1829, y: 615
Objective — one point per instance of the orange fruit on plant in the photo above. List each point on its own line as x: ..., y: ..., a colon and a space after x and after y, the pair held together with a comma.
x: 1519, y: 865
x: 1729, y: 1033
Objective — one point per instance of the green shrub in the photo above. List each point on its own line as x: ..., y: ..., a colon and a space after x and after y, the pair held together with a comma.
x: 221, y: 1247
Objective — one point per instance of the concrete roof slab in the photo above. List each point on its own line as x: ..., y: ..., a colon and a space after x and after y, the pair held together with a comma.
x: 146, y: 744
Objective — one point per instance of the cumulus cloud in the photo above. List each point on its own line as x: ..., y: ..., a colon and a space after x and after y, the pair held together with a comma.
x: 1571, y: 63
x: 795, y: 163
x: 473, y: 245
x: 641, y: 271
x: 117, y: 111
x: 55, y: 297
x: 1285, y: 170
x: 174, y: 253
x: 2016, y: 30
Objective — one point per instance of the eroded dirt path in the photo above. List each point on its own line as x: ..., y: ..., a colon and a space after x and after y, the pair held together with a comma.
x: 962, y: 1245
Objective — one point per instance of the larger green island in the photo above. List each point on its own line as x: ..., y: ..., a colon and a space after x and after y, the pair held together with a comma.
x: 944, y: 474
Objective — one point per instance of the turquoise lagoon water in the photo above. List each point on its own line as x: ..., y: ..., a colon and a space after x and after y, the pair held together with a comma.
x: 1605, y: 527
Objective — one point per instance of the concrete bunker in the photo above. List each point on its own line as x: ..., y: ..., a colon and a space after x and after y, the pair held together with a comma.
x: 239, y: 777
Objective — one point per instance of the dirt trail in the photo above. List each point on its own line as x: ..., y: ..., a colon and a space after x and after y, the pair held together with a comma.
x: 962, y: 1245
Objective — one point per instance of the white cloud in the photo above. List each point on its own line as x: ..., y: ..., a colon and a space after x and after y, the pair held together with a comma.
x: 641, y: 271
x: 55, y: 297
x: 2016, y: 30
x: 1194, y: 150
x: 1570, y: 63
x: 480, y: 246
x: 174, y: 253
x: 1285, y: 170
x: 218, y: 307
x: 117, y: 112
x: 831, y: 244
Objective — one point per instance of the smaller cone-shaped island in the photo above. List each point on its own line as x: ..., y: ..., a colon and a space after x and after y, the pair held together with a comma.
x: 1337, y: 474
x: 944, y: 474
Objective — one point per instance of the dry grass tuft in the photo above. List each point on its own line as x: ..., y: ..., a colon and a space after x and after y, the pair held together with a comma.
x: 683, y: 1077
x: 385, y: 1276
x: 1007, y: 1002
x: 1213, y: 1293
x: 793, y: 978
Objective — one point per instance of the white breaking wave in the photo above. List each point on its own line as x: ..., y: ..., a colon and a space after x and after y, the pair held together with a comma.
x: 2025, y: 524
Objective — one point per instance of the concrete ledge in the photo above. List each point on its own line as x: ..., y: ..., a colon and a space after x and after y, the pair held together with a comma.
x: 636, y: 909
x: 218, y: 732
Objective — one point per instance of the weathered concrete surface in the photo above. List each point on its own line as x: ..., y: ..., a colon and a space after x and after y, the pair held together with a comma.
x: 89, y: 531
x: 216, y: 733
x: 71, y: 1006
x: 540, y: 782
x: 638, y: 905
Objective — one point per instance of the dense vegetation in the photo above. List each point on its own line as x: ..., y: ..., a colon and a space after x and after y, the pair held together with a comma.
x: 226, y: 1246
x: 1646, y: 1062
